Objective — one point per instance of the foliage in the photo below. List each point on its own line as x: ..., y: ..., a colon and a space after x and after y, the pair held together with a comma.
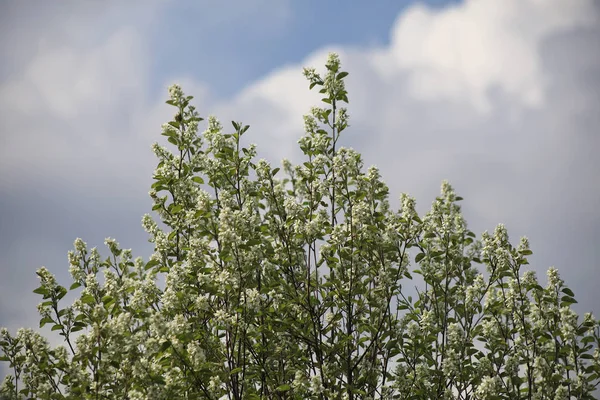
x: 292, y: 288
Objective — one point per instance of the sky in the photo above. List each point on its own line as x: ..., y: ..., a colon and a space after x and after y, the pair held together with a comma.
x: 500, y: 97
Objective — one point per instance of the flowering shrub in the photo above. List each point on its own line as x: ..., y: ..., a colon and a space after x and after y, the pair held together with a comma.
x: 291, y: 288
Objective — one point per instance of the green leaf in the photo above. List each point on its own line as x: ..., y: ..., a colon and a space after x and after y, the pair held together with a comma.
x: 41, y: 290
x: 566, y: 300
x: 283, y: 388
x: 568, y: 292
x: 419, y: 257
x: 165, y: 345
x: 61, y: 292
x: 342, y: 75
x: 88, y: 299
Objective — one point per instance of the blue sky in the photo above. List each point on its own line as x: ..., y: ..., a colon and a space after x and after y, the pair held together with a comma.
x: 252, y: 50
x: 499, y: 97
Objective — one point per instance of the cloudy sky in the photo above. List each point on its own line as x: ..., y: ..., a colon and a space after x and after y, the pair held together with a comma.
x: 500, y: 97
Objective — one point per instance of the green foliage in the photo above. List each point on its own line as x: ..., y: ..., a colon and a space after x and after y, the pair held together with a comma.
x: 292, y: 288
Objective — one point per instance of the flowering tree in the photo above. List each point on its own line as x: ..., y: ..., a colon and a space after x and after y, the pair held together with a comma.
x: 292, y: 288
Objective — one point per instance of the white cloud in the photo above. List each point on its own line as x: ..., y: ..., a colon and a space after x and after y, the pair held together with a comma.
x: 472, y: 93
x: 56, y: 117
x: 79, y: 105
x: 65, y: 82
x: 467, y: 80
x: 469, y: 48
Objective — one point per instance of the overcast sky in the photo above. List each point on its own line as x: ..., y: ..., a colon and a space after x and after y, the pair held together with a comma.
x: 500, y: 97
